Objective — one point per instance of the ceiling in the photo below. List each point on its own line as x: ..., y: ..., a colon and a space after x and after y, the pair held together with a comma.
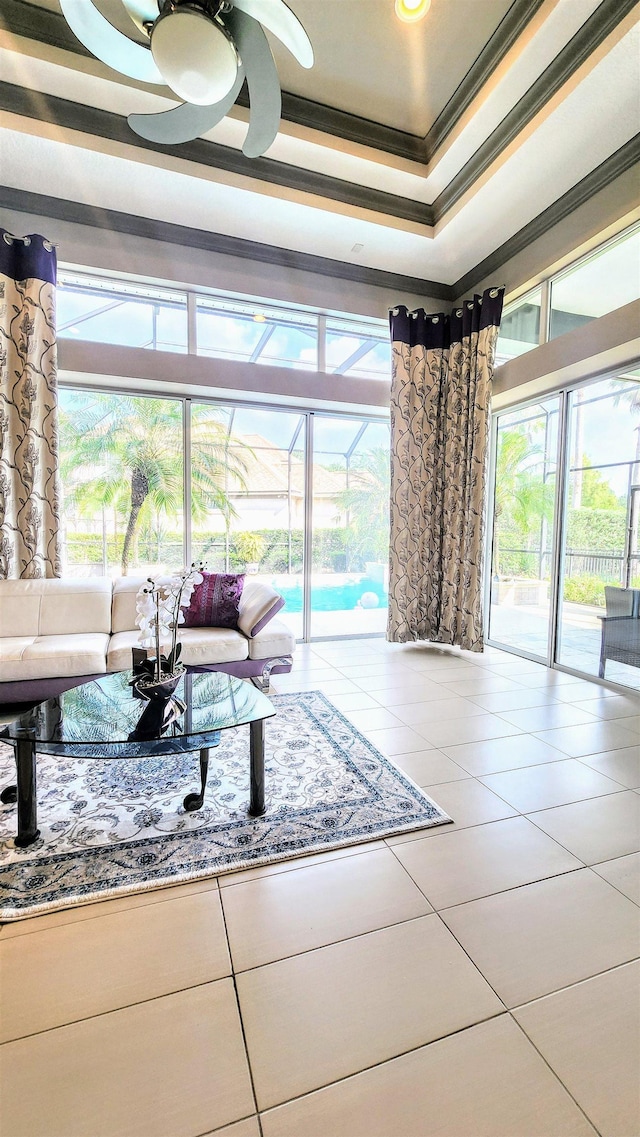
x: 414, y: 150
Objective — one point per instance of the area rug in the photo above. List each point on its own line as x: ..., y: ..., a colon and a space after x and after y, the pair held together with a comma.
x: 108, y: 828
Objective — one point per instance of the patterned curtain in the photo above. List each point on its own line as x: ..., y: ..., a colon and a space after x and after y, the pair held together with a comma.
x: 29, y: 497
x: 440, y: 397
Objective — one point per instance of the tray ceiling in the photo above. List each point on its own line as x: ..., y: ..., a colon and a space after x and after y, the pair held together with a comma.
x: 416, y: 150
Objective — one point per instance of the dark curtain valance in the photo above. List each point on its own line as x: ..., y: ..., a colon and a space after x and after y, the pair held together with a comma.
x: 438, y: 330
x: 27, y: 258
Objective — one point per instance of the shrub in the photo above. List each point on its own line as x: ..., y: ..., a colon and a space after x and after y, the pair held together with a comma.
x: 584, y: 589
x: 596, y: 530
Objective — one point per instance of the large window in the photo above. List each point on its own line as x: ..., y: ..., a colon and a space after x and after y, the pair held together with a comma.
x: 123, y: 460
x: 357, y: 349
x: 257, y: 334
x: 562, y: 562
x: 597, y: 285
x: 246, y: 330
x: 114, y: 312
x: 519, y: 327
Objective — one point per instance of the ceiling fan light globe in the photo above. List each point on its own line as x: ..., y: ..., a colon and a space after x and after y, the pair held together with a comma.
x: 195, y: 56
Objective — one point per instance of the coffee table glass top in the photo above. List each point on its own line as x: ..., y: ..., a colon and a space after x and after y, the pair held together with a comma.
x: 101, y: 719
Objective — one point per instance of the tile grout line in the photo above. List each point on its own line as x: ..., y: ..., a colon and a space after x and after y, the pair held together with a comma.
x: 115, y: 1010
x: 554, y: 1073
x: 240, y: 1018
x: 385, y: 1061
x: 101, y: 915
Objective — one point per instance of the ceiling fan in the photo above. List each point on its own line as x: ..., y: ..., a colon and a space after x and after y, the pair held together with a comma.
x: 203, y: 50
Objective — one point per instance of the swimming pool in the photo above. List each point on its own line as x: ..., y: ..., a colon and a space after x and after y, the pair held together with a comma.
x: 343, y: 596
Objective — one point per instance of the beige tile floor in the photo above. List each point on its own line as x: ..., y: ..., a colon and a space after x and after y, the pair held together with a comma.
x: 470, y: 980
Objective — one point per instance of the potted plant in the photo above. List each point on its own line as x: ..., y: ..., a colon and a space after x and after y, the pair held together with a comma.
x: 159, y: 607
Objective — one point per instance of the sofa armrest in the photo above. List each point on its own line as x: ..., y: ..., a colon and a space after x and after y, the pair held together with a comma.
x: 259, y: 603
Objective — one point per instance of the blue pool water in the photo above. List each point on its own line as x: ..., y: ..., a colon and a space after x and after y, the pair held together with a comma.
x: 333, y: 598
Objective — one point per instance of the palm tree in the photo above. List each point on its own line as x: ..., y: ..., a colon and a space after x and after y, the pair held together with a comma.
x: 522, y: 495
x: 366, y: 503
x: 126, y: 453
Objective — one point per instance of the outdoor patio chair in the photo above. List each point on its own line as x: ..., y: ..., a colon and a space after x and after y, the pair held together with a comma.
x: 620, y: 627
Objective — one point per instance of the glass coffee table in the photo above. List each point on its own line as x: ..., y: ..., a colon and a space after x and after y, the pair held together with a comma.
x: 105, y: 719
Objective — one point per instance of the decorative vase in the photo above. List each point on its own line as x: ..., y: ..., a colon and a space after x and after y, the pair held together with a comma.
x: 149, y: 688
x: 156, y: 718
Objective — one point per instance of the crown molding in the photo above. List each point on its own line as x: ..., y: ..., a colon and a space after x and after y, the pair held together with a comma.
x: 89, y: 120
x: 44, y: 26
x: 40, y: 24
x: 78, y: 213
x: 508, y: 31
x: 613, y: 167
x: 593, y: 32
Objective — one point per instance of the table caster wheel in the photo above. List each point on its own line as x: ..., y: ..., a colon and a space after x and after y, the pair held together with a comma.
x: 193, y: 802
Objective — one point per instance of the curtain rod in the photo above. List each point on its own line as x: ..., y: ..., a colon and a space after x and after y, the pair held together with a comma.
x: 10, y: 237
x: 493, y: 292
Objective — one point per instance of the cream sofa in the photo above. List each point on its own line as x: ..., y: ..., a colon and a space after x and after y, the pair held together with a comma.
x: 54, y: 630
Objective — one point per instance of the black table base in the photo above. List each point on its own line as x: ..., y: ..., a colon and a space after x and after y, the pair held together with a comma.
x: 25, y: 791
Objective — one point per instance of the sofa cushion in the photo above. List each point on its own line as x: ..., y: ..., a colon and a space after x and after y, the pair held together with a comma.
x: 259, y: 603
x: 43, y: 657
x: 46, y: 607
x: 123, y: 608
x: 275, y: 639
x: 200, y: 646
x: 75, y: 606
x: 215, y: 602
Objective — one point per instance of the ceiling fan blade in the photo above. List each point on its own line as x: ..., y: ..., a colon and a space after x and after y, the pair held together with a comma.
x: 108, y: 44
x: 279, y: 19
x: 265, y: 100
x: 186, y: 122
x: 142, y: 12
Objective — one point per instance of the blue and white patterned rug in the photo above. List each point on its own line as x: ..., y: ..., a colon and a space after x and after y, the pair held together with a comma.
x: 112, y: 827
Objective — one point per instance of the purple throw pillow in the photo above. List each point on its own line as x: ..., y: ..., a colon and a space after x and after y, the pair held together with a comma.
x: 215, y: 603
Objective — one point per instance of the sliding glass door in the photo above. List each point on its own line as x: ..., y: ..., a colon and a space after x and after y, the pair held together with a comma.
x: 295, y: 498
x: 248, y: 496
x: 526, y: 447
x: 349, y: 583
x: 565, y: 559
x: 600, y: 561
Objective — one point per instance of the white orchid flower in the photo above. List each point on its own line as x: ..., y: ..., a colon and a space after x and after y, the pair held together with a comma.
x: 160, y: 605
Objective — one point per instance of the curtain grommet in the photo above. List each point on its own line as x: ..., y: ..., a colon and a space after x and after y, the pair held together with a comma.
x: 435, y: 319
x: 494, y: 292
x: 459, y: 312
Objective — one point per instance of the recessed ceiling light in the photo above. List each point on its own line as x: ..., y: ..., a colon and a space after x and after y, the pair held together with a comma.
x: 409, y: 11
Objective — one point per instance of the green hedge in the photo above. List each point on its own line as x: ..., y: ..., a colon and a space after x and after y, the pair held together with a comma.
x: 332, y: 550
x: 596, y: 530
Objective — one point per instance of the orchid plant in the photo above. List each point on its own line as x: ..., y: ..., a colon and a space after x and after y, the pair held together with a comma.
x: 160, y: 605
